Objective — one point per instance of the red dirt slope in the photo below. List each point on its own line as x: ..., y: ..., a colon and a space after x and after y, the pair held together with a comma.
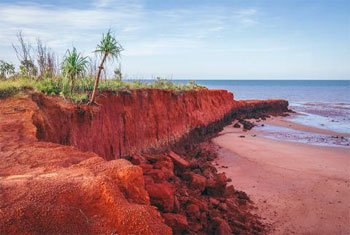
x: 47, y: 188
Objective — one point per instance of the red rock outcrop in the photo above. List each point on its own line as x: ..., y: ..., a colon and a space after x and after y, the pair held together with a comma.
x: 49, y: 187
x: 137, y: 121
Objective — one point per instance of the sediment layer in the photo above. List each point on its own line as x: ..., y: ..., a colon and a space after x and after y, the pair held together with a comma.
x: 137, y: 121
x: 54, y: 177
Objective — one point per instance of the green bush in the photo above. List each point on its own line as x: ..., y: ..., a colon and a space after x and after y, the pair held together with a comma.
x: 65, y: 88
x: 48, y: 86
x: 79, y: 98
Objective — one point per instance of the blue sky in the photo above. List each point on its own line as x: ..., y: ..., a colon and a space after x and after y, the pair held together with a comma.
x: 227, y: 39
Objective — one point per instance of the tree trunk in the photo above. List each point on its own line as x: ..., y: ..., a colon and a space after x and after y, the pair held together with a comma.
x: 97, y: 78
x: 71, y: 84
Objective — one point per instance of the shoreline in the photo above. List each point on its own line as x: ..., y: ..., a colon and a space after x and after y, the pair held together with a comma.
x: 284, y: 122
x: 297, y: 188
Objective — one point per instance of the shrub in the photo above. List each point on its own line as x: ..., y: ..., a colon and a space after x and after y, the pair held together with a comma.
x: 79, y: 98
x: 48, y: 86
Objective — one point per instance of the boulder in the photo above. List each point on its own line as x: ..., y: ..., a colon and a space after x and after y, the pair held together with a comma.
x: 179, y: 161
x: 230, y: 191
x: 167, y: 163
x: 221, y: 227
x: 223, y: 206
x: 162, y: 195
x: 198, y: 182
x: 216, y: 186
x: 214, y: 202
x: 176, y: 221
x: 247, y: 125
x: 157, y: 175
x: 236, y: 125
x: 137, y: 159
x: 193, y: 211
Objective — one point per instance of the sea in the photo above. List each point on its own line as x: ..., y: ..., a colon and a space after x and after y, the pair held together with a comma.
x: 323, y: 104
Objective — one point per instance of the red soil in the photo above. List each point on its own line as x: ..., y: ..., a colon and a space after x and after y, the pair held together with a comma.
x: 51, y: 188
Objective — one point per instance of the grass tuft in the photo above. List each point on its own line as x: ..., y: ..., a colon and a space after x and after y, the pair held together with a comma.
x: 12, y: 87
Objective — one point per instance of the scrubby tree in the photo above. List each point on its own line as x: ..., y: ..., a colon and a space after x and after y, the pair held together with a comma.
x: 23, y: 53
x: 6, y: 69
x: 92, y: 67
x: 109, y: 48
x: 118, y: 73
x: 74, y: 65
x: 46, y: 60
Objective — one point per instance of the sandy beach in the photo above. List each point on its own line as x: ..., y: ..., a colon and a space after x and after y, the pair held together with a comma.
x: 298, y: 188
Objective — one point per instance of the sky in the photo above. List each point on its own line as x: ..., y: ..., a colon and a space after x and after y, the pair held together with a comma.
x: 194, y: 39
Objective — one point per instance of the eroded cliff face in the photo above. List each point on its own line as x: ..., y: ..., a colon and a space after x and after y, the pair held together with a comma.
x: 129, y: 122
x: 146, y: 120
x: 54, y: 177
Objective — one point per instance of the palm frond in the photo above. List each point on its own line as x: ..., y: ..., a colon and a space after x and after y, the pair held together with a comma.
x: 109, y: 46
x: 74, y: 64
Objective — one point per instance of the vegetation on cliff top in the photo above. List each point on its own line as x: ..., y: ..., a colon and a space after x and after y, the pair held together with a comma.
x: 76, y: 77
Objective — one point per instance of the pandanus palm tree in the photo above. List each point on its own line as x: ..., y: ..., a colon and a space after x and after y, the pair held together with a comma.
x: 109, y: 48
x: 74, y: 64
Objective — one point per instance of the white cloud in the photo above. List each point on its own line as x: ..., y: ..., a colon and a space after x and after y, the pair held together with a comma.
x: 141, y: 31
x: 102, y: 3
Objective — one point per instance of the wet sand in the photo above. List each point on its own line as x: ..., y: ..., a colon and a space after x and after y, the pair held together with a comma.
x: 298, y: 188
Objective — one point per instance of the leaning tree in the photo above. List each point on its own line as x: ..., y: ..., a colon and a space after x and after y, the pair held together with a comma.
x: 109, y: 48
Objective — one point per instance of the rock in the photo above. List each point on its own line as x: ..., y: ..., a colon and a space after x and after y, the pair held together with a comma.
x: 221, y: 178
x: 221, y: 227
x: 167, y: 163
x: 223, y: 206
x: 246, y: 124
x: 137, y: 159
x: 198, y: 182
x: 200, y: 202
x: 232, y: 204
x: 146, y: 167
x: 216, y: 186
x: 162, y: 195
x: 193, y: 210
x: 230, y: 191
x: 177, y: 205
x: 204, y: 219
x: 157, y: 175
x: 214, y: 202
x: 179, y: 161
x: 215, y: 213
x: 236, y: 125
x: 195, y: 226
x: 148, y: 179
x: 176, y: 221
x: 208, y: 173
x: 242, y: 195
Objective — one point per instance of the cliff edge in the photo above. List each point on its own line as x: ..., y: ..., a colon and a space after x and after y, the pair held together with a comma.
x: 61, y: 166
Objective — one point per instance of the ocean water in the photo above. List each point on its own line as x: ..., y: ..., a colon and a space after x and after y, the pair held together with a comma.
x: 321, y: 103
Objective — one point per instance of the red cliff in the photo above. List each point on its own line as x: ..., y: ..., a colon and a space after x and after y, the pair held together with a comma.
x: 136, y: 121
x: 53, y: 179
